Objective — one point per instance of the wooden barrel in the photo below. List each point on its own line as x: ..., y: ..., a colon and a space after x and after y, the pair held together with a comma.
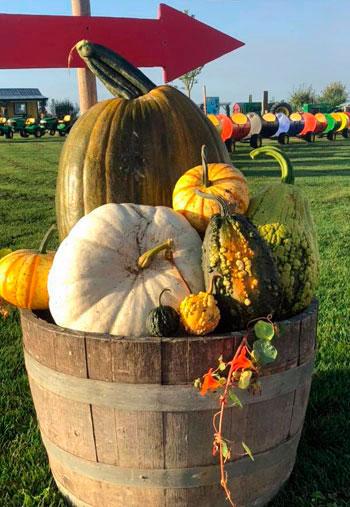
x: 123, y: 425
x: 255, y: 124
x: 216, y: 122
x: 332, y: 124
x: 342, y: 120
x: 321, y: 123
x: 296, y: 124
x: 283, y: 124
x: 310, y: 124
x: 227, y: 126
x: 241, y: 126
x: 269, y: 125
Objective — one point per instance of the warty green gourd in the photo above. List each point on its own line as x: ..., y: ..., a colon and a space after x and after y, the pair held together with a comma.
x: 282, y: 215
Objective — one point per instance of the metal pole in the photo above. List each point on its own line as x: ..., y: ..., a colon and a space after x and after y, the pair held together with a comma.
x: 86, y: 79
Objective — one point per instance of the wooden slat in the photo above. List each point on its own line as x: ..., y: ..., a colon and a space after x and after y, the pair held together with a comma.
x: 136, y: 362
x: 261, y: 425
x: 105, y: 435
x: 287, y: 345
x: 299, y: 409
x: 308, y: 336
x: 99, y: 359
x: 66, y: 423
x: 38, y: 342
x: 139, y: 437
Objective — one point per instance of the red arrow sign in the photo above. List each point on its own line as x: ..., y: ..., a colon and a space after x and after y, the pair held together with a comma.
x: 177, y: 42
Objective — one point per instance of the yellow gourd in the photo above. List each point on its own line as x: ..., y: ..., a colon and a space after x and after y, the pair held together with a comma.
x: 199, y: 313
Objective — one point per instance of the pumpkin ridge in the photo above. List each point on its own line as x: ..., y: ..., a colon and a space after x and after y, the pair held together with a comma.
x: 33, y: 280
x: 4, y: 287
x: 24, y: 272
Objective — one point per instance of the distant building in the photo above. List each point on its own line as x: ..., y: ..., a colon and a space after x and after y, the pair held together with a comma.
x: 26, y: 102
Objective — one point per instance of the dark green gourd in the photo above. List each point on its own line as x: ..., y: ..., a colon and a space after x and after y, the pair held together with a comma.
x: 163, y: 320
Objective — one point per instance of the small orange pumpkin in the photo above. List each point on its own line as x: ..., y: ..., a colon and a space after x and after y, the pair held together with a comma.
x: 23, y: 276
x: 218, y: 179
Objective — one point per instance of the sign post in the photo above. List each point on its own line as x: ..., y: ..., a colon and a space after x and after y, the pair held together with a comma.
x: 86, y: 80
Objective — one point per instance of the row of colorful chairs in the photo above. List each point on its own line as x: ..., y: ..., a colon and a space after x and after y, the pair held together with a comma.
x: 253, y: 127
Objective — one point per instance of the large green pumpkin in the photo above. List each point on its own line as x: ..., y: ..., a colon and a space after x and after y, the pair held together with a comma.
x: 132, y: 148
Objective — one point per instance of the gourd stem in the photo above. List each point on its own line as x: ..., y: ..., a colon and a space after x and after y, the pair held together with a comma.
x: 145, y: 259
x: 120, y: 77
x: 287, y: 171
x: 205, y: 175
x: 46, y: 239
x: 212, y: 277
x: 224, y: 208
x: 160, y: 296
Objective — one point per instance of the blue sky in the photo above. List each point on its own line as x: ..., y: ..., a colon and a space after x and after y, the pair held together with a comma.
x: 288, y: 42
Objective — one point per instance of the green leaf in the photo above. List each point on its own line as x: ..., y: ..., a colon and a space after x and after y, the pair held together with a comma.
x: 236, y: 402
x: 224, y: 448
x: 264, y: 330
x: 244, y: 379
x: 248, y: 451
x: 264, y: 352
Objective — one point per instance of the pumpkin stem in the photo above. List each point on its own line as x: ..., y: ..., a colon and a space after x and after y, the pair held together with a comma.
x: 205, y: 174
x: 160, y: 296
x: 287, y: 171
x: 145, y: 259
x: 225, y: 208
x: 119, y: 77
x: 212, y: 277
x: 46, y: 239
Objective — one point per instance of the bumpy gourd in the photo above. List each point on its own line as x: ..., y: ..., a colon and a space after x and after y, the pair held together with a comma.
x: 282, y: 215
x: 163, y: 320
x: 217, y: 179
x: 199, y: 313
x: 249, y: 285
x: 131, y: 148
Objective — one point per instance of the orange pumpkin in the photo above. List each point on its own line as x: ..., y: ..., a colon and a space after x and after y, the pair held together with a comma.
x: 218, y: 179
x: 23, y: 276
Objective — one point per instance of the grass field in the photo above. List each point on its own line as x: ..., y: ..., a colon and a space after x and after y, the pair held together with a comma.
x: 321, y: 475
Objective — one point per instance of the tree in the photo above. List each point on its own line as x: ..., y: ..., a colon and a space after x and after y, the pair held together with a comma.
x: 60, y: 108
x: 334, y: 94
x: 190, y: 78
x: 302, y: 95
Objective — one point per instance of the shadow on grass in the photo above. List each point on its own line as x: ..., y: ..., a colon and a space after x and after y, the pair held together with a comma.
x: 322, y: 470
x: 300, y: 173
x: 35, y: 140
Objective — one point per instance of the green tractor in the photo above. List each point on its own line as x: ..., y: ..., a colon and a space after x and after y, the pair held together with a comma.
x: 64, y: 125
x: 5, y: 129
x: 49, y: 123
x: 26, y: 126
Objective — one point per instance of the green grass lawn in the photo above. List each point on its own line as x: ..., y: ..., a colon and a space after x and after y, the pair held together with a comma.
x: 321, y: 476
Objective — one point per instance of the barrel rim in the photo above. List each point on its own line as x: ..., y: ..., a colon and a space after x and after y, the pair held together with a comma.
x: 35, y: 319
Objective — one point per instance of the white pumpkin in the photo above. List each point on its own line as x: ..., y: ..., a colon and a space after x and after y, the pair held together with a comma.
x: 95, y: 283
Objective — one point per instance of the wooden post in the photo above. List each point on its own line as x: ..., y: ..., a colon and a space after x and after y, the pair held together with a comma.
x: 265, y: 102
x: 205, y: 99
x: 86, y: 79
